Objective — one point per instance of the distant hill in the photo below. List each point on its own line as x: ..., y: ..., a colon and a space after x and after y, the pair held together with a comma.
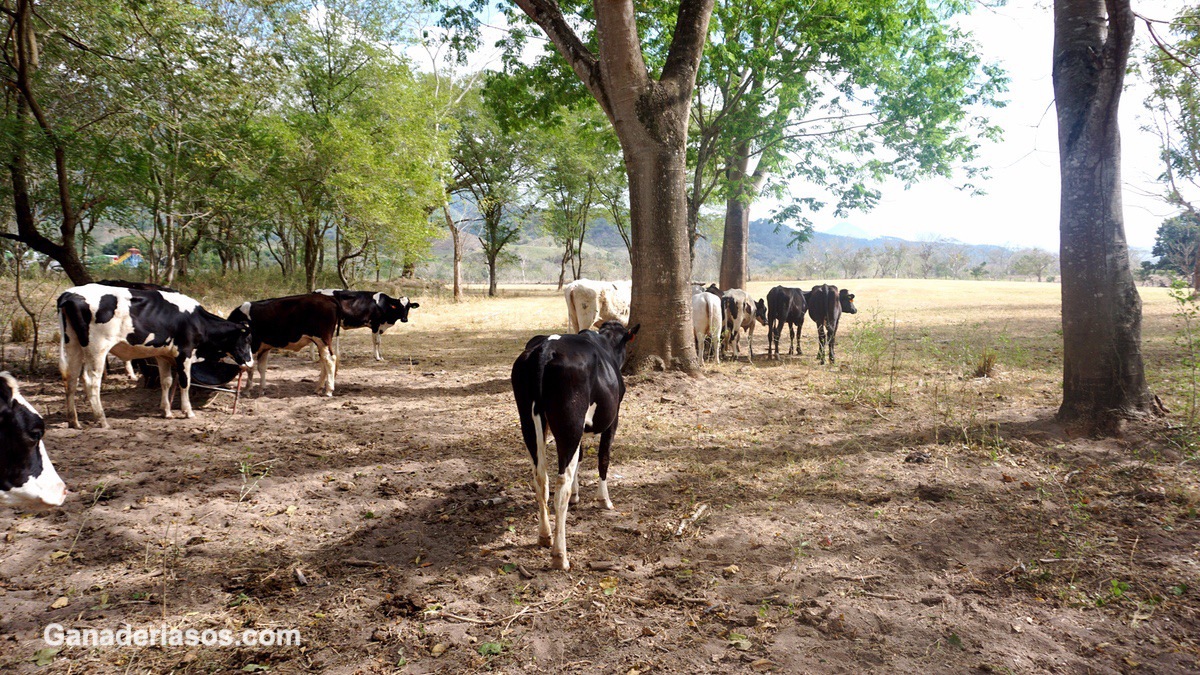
x: 844, y: 251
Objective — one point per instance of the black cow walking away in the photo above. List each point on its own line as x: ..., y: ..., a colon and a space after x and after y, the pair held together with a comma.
x: 291, y: 323
x: 785, y: 306
x: 825, y: 306
x: 361, y: 309
x: 571, y: 385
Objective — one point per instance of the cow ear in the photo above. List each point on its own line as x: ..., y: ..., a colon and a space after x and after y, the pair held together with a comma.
x: 851, y: 296
x: 633, y: 331
x: 414, y: 305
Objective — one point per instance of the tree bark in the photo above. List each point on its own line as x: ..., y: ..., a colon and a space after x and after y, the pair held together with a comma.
x: 1103, y: 374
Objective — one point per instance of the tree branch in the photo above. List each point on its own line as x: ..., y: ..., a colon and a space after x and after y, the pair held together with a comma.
x: 547, y: 15
x: 687, y: 43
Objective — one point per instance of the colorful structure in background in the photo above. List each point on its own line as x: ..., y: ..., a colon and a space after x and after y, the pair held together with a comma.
x: 132, y: 257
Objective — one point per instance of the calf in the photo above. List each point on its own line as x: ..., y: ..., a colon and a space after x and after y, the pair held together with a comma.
x: 132, y: 323
x: 27, y: 478
x: 360, y: 309
x: 785, y: 306
x: 291, y: 323
x: 571, y: 385
x: 706, y: 322
x: 741, y: 313
x: 590, y: 302
x: 825, y: 306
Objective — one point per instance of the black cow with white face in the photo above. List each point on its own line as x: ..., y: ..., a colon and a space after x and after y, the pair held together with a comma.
x: 27, y: 478
x: 569, y: 385
x: 362, y: 309
x: 825, y: 306
x: 133, y: 323
x: 292, y: 323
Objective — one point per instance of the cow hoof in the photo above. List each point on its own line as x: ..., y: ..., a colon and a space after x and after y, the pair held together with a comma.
x: 559, y: 563
x: 544, y: 540
x: 574, y: 499
x: 190, y: 415
x: 74, y: 425
x: 608, y: 505
x: 168, y: 414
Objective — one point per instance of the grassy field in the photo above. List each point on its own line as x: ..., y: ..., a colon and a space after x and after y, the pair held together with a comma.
x: 890, y: 513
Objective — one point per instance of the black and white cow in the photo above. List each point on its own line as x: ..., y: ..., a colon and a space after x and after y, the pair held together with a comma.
x: 27, y: 478
x: 570, y: 385
x: 741, y: 313
x: 785, y: 306
x: 132, y: 324
x: 291, y: 323
x: 361, y: 309
x: 825, y: 306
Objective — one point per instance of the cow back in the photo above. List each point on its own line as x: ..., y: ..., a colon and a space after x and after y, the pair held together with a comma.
x: 823, y: 305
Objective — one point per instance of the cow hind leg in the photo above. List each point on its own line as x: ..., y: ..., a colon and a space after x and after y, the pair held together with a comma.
x: 166, y: 379
x: 562, y: 500
x: 93, y: 374
x: 377, y: 339
x: 534, y: 432
x: 71, y: 367
x: 575, y: 483
x: 602, y: 456
x: 820, y: 343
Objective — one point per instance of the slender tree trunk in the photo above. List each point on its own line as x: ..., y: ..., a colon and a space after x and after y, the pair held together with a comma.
x: 491, y: 263
x: 456, y: 239
x: 736, y: 247
x: 1103, y: 376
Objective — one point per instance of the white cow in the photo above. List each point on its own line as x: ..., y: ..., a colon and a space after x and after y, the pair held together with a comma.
x: 591, y: 302
x: 706, y: 322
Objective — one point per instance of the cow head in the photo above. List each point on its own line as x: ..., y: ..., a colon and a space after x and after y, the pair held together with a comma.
x: 618, y: 337
x: 233, y: 338
x: 395, y: 310
x: 847, y: 300
x: 27, y: 478
x: 712, y: 288
x: 760, y: 311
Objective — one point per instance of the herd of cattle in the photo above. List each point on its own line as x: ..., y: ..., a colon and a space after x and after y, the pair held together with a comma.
x: 564, y: 385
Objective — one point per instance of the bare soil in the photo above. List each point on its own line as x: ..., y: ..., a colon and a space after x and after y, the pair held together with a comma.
x: 887, y: 514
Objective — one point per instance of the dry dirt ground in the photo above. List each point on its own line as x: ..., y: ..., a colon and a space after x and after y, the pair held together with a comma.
x: 891, y: 513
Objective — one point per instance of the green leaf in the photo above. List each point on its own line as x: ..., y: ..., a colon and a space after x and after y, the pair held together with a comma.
x: 253, y: 668
x: 490, y: 648
x: 508, y: 568
x: 43, y: 657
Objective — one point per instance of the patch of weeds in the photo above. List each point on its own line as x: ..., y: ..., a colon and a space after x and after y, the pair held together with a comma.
x: 252, y: 473
x: 1116, y: 591
x: 985, y: 364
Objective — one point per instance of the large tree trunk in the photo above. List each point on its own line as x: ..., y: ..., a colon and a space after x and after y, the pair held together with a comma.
x: 1103, y: 377
x: 662, y: 268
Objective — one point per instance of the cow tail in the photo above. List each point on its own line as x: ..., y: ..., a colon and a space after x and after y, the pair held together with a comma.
x: 570, y: 309
x: 70, y: 315
x: 543, y: 357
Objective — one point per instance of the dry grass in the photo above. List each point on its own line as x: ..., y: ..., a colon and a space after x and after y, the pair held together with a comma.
x: 890, y: 513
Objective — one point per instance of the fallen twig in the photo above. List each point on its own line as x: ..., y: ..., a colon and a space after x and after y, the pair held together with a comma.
x: 866, y: 577
x: 1058, y: 560
x: 690, y: 520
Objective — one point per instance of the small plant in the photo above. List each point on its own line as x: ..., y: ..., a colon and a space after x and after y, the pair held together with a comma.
x: 252, y: 473
x: 985, y: 364
x: 22, y: 329
x: 1187, y: 309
